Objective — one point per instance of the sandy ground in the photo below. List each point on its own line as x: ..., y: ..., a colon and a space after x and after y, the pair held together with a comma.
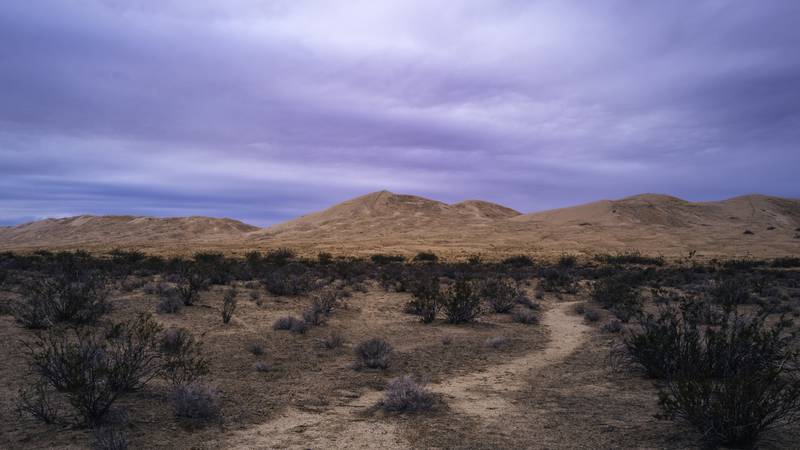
x: 487, y: 395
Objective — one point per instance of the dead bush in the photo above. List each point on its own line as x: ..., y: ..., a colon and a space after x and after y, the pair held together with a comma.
x: 290, y: 323
x: 195, y: 401
x: 374, y: 354
x: 228, y: 304
x: 405, y: 395
x: 182, y: 356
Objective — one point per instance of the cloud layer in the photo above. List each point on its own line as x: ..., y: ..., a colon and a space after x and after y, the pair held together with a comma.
x: 264, y: 110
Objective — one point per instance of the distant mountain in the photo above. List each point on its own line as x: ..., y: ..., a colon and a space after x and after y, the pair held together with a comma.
x: 754, y: 225
x: 107, y: 231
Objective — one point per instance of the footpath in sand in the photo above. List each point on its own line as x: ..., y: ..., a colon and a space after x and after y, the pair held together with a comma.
x: 484, y: 395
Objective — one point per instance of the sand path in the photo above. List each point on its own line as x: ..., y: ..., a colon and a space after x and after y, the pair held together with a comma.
x: 485, y: 395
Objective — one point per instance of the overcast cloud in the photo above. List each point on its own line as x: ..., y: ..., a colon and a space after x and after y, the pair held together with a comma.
x: 264, y: 110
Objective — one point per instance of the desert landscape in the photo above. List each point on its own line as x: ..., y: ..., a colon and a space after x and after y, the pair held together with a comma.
x: 399, y: 224
x: 380, y: 222
x: 210, y: 334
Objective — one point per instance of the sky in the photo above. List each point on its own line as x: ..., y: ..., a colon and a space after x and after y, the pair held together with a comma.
x: 266, y: 110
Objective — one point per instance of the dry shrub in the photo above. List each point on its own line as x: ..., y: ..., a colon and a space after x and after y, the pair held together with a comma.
x: 290, y: 323
x: 405, y: 395
x: 195, y: 401
x: 374, y: 354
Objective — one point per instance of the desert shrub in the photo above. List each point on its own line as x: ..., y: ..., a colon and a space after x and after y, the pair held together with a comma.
x: 256, y: 349
x: 325, y: 301
x: 189, y: 285
x: 426, y: 299
x: 182, y: 356
x: 567, y: 261
x: 447, y: 339
x: 331, y: 341
x: 748, y: 232
x: 131, y: 283
x: 619, y: 294
x: 93, y: 368
x: 591, y: 315
x: 290, y: 323
x: 381, y: 259
x: 373, y: 353
x: 557, y: 279
x: 500, y: 294
x: 526, y: 302
x: 228, y: 304
x: 38, y: 401
x: 315, y: 315
x: 110, y: 437
x: 169, y: 301
x: 580, y: 308
x: 254, y: 295
x: 631, y: 258
x: 497, y: 342
x: 403, y: 394
x: 324, y: 258
x: 663, y: 344
x: 614, y: 326
x: 426, y: 257
x: 279, y: 256
x: 291, y: 279
x: 518, y: 261
x: 461, y: 303
x: 195, y: 401
x: 739, y: 380
x: 525, y: 316
x: 262, y: 366
x: 731, y: 291
x: 73, y: 297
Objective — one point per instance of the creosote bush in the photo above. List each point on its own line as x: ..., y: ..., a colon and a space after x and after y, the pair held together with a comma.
x: 405, y: 395
x: 195, y: 401
x: 76, y: 297
x: 182, y: 357
x: 94, y: 368
x: 291, y: 323
x: 426, y: 299
x: 461, y: 303
x: 731, y: 381
x: 374, y: 354
x: 228, y: 305
x: 619, y: 294
x: 500, y: 294
x: 525, y: 316
x: 331, y: 341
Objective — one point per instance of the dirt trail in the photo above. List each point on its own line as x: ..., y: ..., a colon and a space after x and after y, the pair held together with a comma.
x: 485, y: 395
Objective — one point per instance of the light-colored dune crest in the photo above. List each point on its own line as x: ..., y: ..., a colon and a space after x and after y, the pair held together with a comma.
x: 755, y: 225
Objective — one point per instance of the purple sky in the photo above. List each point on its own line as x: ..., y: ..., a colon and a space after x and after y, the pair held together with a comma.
x: 265, y: 110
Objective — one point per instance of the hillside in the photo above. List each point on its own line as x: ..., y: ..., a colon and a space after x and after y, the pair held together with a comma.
x: 112, y: 231
x: 754, y: 225
x: 387, y: 215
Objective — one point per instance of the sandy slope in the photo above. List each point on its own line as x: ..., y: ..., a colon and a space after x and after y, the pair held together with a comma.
x: 387, y: 222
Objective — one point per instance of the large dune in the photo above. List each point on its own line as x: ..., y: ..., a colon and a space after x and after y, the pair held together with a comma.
x: 754, y: 225
x: 100, y: 232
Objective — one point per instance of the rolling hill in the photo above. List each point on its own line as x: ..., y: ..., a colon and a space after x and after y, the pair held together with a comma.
x: 382, y: 221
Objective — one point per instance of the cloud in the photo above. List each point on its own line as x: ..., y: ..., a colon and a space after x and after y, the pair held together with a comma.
x: 262, y: 110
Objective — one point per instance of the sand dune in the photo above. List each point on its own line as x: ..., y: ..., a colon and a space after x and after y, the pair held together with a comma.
x: 382, y: 221
x: 105, y: 231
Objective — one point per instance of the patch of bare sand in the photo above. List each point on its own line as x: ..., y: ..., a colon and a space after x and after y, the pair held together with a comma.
x: 485, y: 395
